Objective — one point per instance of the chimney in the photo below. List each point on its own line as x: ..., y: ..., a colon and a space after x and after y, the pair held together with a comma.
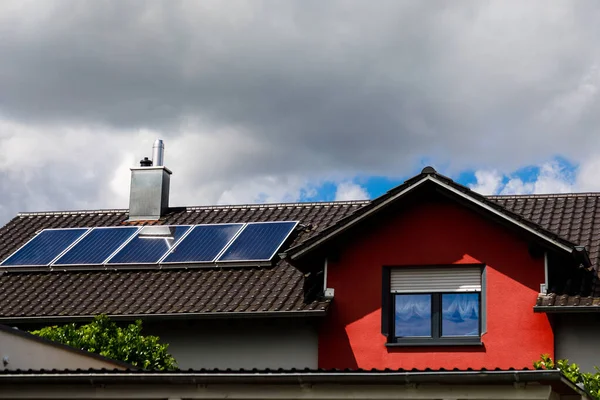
x: 149, y: 195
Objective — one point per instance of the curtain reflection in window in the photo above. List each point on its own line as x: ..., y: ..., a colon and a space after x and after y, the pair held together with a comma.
x: 413, y: 315
x: 460, y: 314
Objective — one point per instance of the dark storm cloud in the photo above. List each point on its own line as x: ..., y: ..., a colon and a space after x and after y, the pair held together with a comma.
x: 314, y: 88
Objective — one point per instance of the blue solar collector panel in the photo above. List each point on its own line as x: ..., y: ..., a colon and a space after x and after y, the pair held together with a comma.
x: 149, y: 245
x: 97, y: 246
x: 259, y: 241
x: 235, y: 242
x: 203, y: 244
x: 45, y: 247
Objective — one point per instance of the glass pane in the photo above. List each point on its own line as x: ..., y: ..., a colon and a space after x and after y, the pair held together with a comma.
x: 149, y: 245
x: 97, y: 246
x: 45, y: 247
x: 203, y: 243
x: 413, y: 315
x: 258, y: 241
x: 460, y: 314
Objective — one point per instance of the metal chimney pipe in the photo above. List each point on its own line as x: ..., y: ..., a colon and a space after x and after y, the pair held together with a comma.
x: 158, y: 153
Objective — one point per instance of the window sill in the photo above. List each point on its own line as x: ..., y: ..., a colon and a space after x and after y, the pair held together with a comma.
x: 436, y: 343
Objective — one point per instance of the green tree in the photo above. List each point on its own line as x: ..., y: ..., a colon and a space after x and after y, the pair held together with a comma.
x: 590, y: 381
x: 105, y: 337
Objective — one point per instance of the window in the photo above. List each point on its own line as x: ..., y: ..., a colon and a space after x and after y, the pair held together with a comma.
x: 433, y: 305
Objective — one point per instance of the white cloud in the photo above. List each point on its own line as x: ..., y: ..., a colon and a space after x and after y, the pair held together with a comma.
x: 588, y: 176
x: 85, y: 168
x: 551, y: 177
x: 554, y: 178
x: 488, y: 182
x: 350, y: 191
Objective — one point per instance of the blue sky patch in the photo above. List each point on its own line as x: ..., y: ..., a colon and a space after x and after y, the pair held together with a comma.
x: 379, y: 185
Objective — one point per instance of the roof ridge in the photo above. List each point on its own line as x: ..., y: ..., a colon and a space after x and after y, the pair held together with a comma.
x: 541, y: 195
x: 71, y: 212
x: 195, y: 208
x: 271, y: 205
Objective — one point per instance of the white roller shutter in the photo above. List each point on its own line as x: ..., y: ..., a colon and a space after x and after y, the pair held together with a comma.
x: 435, y: 279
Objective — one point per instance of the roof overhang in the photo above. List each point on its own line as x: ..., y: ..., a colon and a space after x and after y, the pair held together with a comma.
x: 566, y: 309
x: 303, y: 249
x: 276, y: 384
x: 161, y: 317
x: 553, y: 303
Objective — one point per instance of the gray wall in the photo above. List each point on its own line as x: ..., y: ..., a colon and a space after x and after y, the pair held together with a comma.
x: 246, y: 343
x: 577, y: 338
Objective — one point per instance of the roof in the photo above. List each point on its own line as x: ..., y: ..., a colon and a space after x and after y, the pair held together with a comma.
x: 565, y: 221
x: 169, y: 293
x: 430, y: 177
x: 568, y: 222
x: 576, y: 217
x: 573, y: 216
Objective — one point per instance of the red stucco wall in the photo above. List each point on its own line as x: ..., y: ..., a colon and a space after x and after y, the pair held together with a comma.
x: 436, y: 232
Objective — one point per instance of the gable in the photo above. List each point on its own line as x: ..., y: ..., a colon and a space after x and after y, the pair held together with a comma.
x: 427, y: 184
x: 437, y: 231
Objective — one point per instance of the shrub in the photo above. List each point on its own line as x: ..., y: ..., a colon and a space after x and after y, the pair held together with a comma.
x: 104, y: 337
x: 589, y: 381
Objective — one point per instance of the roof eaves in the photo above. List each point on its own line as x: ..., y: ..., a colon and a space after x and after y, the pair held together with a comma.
x: 295, y: 376
x: 553, y: 378
x: 207, y: 315
x: 566, y: 309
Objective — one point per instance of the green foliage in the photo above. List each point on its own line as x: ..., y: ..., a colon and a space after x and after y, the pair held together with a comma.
x: 104, y: 337
x: 590, y: 381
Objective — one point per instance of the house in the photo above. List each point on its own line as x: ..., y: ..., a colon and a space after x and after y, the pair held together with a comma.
x: 430, y: 284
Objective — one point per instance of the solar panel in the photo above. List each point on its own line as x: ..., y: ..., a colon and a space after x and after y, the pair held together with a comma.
x: 45, y: 247
x: 203, y: 243
x: 258, y: 241
x: 97, y: 246
x: 149, y: 245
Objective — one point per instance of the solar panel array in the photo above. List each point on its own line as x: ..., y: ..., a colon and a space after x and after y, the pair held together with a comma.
x: 156, y: 244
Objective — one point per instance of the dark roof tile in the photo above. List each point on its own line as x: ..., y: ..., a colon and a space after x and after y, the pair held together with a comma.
x: 574, y: 216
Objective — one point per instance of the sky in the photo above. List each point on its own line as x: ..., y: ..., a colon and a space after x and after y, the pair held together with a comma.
x: 306, y: 100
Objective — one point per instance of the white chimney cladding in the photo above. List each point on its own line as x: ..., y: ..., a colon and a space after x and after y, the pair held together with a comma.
x: 149, y: 195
